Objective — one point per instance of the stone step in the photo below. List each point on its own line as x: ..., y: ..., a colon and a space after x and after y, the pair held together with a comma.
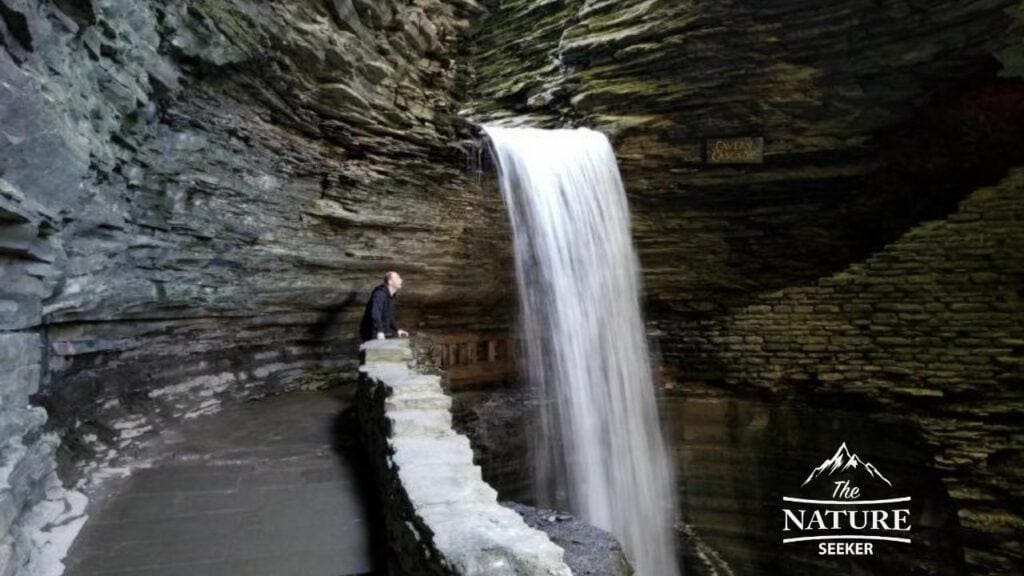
x: 422, y: 401
x: 391, y: 350
x: 426, y: 478
x: 387, y: 372
x: 403, y: 456
x: 449, y: 448
x: 465, y: 530
x: 456, y: 491
x: 431, y: 423
x: 415, y: 384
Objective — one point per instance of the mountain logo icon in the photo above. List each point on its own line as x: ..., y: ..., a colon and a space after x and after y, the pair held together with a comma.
x: 842, y: 461
x: 844, y: 523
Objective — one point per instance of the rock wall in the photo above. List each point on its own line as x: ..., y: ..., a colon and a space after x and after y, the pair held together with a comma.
x: 931, y: 328
x: 837, y: 90
x: 38, y: 518
x: 196, y: 197
x: 440, y: 516
x: 224, y: 182
x: 736, y: 457
x: 876, y: 117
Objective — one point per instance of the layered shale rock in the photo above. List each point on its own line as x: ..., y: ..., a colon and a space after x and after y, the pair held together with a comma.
x: 222, y: 181
x: 38, y: 517
x: 195, y: 198
x: 824, y: 84
x: 930, y: 328
x: 875, y: 117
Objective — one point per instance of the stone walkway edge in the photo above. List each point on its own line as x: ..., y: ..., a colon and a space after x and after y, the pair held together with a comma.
x: 441, y: 518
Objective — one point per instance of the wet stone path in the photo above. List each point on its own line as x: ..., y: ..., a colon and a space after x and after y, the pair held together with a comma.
x: 264, y: 488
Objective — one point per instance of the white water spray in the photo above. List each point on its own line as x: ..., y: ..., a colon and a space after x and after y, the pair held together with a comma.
x: 599, y: 443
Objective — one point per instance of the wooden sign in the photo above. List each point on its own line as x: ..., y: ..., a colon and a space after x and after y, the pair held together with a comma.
x: 746, y: 150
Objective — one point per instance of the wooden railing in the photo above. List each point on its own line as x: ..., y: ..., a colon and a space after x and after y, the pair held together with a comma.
x: 474, y: 359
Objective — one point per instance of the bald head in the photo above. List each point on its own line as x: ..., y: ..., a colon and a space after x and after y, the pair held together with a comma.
x: 393, y: 281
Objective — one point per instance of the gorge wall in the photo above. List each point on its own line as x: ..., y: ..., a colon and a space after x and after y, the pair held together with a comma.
x: 195, y: 199
x: 223, y: 181
x: 859, y: 104
x: 929, y: 330
x: 865, y: 263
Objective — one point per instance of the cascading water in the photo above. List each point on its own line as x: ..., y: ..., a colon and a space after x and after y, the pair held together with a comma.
x: 599, y: 442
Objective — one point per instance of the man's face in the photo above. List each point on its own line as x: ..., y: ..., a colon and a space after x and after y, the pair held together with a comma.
x: 396, y: 282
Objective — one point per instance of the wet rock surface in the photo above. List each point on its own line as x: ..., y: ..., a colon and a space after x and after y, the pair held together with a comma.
x: 266, y: 488
x: 497, y: 423
x: 38, y: 516
x: 589, y: 551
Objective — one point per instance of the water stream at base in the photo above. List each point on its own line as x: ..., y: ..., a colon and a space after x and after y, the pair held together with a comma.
x: 598, y: 448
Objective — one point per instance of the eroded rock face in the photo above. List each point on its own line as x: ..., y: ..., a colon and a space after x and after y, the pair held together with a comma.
x: 876, y: 117
x: 37, y: 516
x: 823, y: 84
x: 497, y: 422
x: 931, y: 330
x: 196, y: 197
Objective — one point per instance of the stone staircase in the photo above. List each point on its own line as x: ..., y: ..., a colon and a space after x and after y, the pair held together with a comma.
x: 441, y: 518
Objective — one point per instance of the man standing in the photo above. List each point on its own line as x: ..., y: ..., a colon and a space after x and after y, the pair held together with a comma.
x: 379, y: 316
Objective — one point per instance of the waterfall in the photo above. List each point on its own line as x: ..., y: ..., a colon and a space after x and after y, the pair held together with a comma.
x: 598, y: 446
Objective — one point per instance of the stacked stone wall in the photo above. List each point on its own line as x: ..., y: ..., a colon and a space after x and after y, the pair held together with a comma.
x: 931, y: 327
x: 440, y: 517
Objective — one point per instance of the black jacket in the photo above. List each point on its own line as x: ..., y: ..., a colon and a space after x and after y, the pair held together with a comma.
x: 379, y: 315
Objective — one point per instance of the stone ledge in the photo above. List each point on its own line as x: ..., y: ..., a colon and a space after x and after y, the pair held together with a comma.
x: 441, y: 518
